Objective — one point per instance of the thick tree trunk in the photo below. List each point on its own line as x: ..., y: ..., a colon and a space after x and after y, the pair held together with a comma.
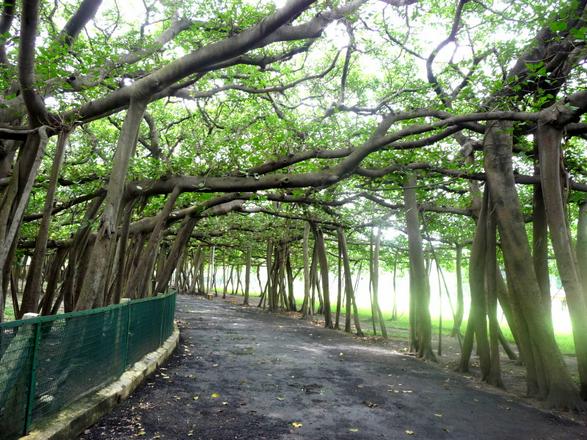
x: 478, y: 312
x: 419, y: 287
x: 494, y: 376
x: 554, y: 382
x: 95, y: 282
x: 581, y: 247
x: 15, y: 199
x: 540, y: 245
x: 32, y: 290
x: 549, y: 140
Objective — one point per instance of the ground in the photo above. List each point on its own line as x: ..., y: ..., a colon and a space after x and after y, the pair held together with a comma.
x: 242, y: 373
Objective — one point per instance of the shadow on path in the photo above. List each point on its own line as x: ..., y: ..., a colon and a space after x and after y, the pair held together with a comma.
x: 242, y: 373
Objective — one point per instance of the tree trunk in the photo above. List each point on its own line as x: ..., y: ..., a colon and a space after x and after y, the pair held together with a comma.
x: 52, y: 282
x: 419, y: 286
x: 178, y: 248
x: 554, y: 382
x: 494, y: 376
x: 460, y: 310
x: 348, y: 284
x: 247, y: 275
x: 477, y: 278
x: 15, y: 199
x: 394, y: 309
x: 375, y: 283
x: 323, y: 260
x: 306, y: 258
x: 581, y: 247
x: 549, y: 140
x: 540, y: 242
x: 290, y: 283
x: 339, y: 289
x: 94, y: 283
x: 32, y: 290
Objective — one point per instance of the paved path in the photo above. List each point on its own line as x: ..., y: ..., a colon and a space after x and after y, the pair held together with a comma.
x: 241, y: 373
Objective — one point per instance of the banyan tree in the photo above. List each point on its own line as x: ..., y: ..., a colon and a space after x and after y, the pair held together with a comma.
x: 153, y: 145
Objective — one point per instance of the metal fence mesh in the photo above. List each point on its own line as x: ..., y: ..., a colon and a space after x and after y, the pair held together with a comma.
x: 46, y: 363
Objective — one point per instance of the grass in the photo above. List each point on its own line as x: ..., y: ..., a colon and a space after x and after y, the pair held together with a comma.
x: 564, y: 340
x: 8, y: 310
x: 398, y: 328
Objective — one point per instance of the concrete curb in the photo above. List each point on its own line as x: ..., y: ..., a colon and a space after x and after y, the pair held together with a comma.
x: 72, y: 421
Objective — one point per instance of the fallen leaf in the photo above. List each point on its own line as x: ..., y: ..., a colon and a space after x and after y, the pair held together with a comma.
x: 280, y: 398
x: 215, y: 396
x: 296, y: 424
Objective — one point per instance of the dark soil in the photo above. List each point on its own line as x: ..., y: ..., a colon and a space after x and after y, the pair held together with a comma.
x: 242, y: 373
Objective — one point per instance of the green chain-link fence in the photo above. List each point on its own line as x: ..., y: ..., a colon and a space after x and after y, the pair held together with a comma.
x: 48, y: 362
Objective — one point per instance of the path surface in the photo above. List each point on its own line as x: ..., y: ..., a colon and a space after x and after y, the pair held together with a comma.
x: 241, y: 373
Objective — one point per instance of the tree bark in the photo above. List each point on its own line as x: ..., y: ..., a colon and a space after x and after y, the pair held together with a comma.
x: 94, y: 283
x: 460, y: 310
x: 32, y: 290
x: 375, y: 283
x: 323, y: 260
x: 306, y: 258
x: 247, y: 275
x: 554, y: 382
x: 419, y: 286
x: 540, y: 241
x: 348, y: 285
x: 581, y: 246
x: 494, y: 376
x: 549, y: 140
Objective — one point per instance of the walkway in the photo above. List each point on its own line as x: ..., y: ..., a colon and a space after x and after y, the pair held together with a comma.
x: 241, y: 373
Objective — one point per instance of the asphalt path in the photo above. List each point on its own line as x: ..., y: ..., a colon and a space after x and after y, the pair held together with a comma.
x: 243, y: 373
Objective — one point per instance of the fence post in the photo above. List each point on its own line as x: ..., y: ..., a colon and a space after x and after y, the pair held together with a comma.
x: 126, y: 303
x: 164, y: 301
x: 33, y: 375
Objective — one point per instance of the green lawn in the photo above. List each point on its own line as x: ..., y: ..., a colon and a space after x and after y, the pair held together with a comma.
x: 399, y: 327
